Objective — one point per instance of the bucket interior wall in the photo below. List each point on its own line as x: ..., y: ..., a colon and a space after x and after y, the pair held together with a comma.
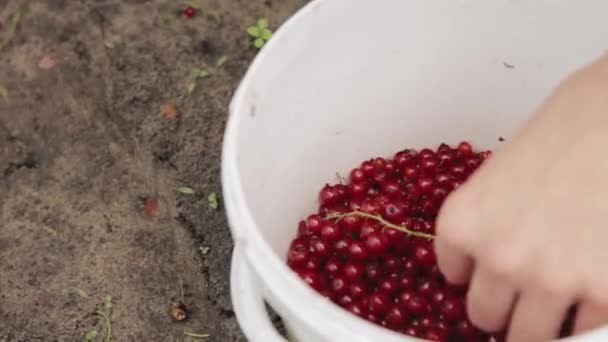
x: 354, y: 79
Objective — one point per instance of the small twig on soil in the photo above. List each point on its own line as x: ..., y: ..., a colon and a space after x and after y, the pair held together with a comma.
x: 181, y: 287
x: 11, y: 32
x: 4, y: 93
x: 196, y: 335
x: 382, y: 221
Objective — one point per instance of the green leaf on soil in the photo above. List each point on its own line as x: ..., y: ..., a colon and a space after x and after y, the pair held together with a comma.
x: 221, y: 61
x: 90, y: 335
x: 186, y: 190
x: 82, y: 293
x: 195, y: 75
x: 266, y: 34
x: 258, y: 43
x: 212, y: 199
x: 263, y: 23
x: 253, y: 31
x: 108, y: 301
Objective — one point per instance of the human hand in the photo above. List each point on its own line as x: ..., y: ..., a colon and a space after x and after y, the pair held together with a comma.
x: 529, y: 230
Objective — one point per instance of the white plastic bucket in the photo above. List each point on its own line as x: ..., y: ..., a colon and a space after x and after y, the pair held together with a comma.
x: 345, y: 80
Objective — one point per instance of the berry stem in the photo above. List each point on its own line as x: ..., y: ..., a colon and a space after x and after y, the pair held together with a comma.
x: 381, y: 220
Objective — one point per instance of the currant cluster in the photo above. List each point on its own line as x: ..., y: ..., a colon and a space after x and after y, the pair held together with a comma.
x: 369, y: 248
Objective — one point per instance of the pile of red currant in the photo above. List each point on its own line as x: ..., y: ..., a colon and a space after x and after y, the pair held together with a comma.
x: 369, y: 248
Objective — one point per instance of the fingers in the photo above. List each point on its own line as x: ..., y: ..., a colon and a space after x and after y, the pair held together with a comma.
x: 453, y: 262
x: 453, y: 224
x: 489, y: 301
x: 479, y: 238
x: 590, y: 316
x: 537, y: 316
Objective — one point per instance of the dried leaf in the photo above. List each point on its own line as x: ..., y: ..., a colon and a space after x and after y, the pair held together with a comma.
x: 170, y: 111
x: 152, y: 206
x: 178, y: 311
x: 47, y: 62
x: 186, y: 190
x: 212, y: 199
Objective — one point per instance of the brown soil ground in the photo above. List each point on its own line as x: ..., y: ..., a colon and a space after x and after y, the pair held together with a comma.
x: 84, y: 143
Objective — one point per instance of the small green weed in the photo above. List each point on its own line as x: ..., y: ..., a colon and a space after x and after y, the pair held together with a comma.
x: 106, y: 333
x: 90, y: 335
x: 195, y: 75
x: 213, y: 201
x: 260, y: 33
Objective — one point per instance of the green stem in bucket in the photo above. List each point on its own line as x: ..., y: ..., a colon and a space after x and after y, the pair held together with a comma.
x: 381, y: 220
